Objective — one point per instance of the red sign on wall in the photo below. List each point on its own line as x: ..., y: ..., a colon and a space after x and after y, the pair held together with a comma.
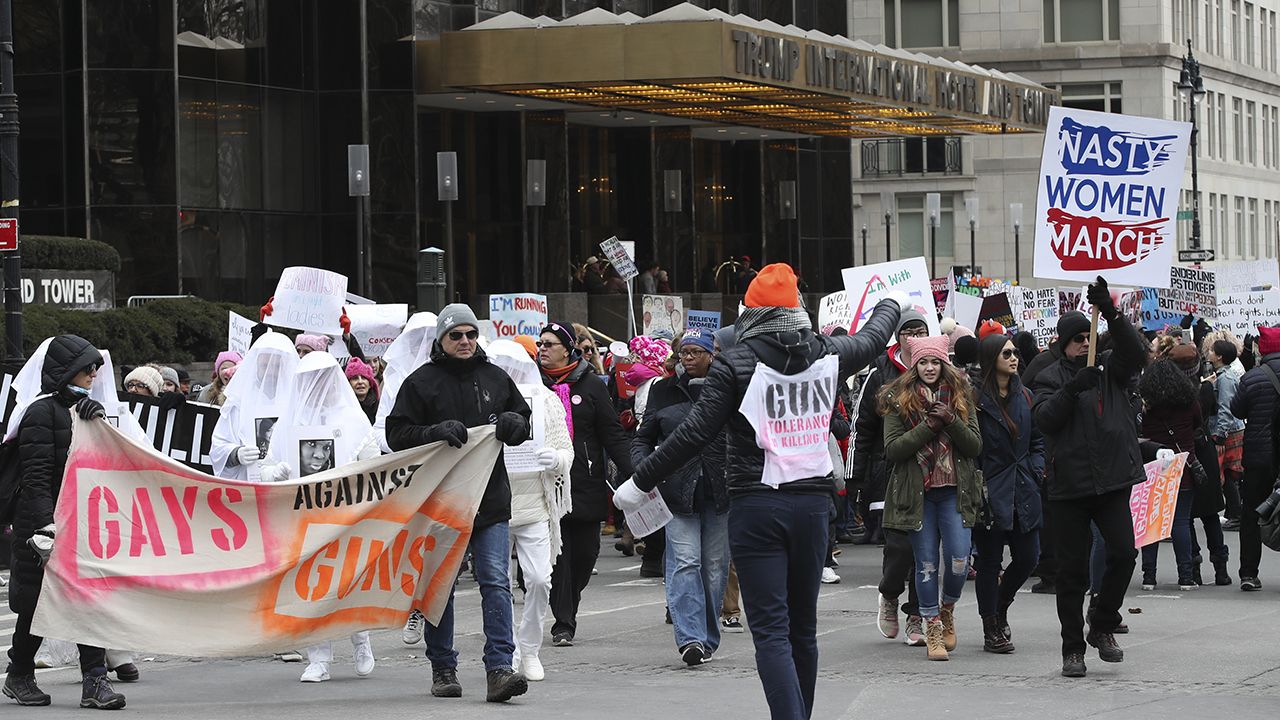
x: 8, y: 234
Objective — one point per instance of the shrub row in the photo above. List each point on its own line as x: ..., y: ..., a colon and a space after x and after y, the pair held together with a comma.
x: 48, y: 252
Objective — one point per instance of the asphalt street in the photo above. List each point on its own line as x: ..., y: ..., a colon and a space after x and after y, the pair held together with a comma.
x: 1207, y: 653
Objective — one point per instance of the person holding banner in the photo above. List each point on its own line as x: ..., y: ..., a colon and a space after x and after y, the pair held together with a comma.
x: 255, y: 399
x: 1092, y: 456
x: 63, y: 369
x: 778, y: 467
x: 458, y: 389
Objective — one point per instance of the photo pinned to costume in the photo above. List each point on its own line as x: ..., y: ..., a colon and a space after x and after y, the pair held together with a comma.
x: 315, y: 449
x: 263, y: 428
x: 523, y: 457
x: 259, y: 422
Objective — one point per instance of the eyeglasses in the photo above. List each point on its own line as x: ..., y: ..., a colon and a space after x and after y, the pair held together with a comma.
x: 918, y: 333
x: 1080, y: 338
x: 135, y: 385
x: 546, y: 343
x: 457, y: 335
x: 692, y: 353
x: 1008, y: 353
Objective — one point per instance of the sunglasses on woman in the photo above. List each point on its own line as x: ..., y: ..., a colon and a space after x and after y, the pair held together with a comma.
x: 1008, y: 353
x: 457, y: 335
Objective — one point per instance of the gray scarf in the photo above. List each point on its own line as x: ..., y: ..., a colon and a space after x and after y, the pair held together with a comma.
x: 761, y: 320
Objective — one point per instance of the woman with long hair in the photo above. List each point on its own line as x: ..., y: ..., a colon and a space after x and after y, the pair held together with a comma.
x: 931, y: 437
x: 1012, y: 463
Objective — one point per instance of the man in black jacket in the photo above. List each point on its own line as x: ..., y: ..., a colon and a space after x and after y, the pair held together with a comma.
x: 1092, y: 461
x: 780, y: 499
x: 1255, y: 402
x: 69, y: 368
x: 458, y: 389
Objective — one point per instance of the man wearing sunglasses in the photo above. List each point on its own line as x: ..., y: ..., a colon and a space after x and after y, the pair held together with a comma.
x: 1092, y: 460
x: 459, y: 389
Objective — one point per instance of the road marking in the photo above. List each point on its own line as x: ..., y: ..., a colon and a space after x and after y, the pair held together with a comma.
x: 624, y: 607
x: 642, y: 582
x: 627, y: 568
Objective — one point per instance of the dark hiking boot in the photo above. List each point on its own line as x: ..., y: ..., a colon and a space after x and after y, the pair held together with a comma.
x: 444, y: 683
x: 23, y: 688
x: 504, y: 684
x: 1108, y: 650
x: 1073, y: 665
x: 97, y: 693
x: 993, y: 639
x: 1220, y: 574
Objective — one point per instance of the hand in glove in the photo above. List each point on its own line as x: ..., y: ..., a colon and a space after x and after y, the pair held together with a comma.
x: 248, y: 454
x: 171, y: 400
x: 628, y: 497
x: 1247, y: 358
x: 1165, y: 456
x: 511, y: 428
x: 42, y: 542
x: 943, y: 413
x: 903, y: 300
x: 451, y: 431
x: 277, y: 473
x: 547, y: 458
x: 1085, y: 379
x: 90, y: 409
x: 1100, y: 297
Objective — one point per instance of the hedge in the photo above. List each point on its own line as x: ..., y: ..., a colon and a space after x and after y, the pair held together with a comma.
x: 49, y: 252
x: 179, y: 330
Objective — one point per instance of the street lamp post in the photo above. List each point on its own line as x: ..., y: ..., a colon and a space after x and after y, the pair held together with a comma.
x: 1191, y: 83
x: 887, y: 208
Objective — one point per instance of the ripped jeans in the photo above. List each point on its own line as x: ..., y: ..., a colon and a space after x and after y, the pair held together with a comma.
x: 943, y: 525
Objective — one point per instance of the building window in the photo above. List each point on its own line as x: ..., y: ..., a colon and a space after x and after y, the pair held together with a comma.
x: 1267, y: 231
x: 1218, y: 27
x: 1213, y: 222
x: 1250, y: 133
x: 913, y: 228
x: 922, y: 23
x: 910, y: 156
x: 1274, y: 134
x: 1235, y: 30
x: 1222, y: 126
x: 1102, y: 97
x: 1239, y: 227
x: 1266, y: 136
x: 1248, y: 33
x: 1208, y: 124
x: 1237, y: 127
x: 1269, y: 45
x: 1073, y: 21
x: 1253, y: 228
x: 1225, y: 224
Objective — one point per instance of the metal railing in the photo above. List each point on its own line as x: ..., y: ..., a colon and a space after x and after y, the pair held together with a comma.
x: 911, y: 156
x: 140, y: 300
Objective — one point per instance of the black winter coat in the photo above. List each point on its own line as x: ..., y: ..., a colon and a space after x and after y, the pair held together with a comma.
x: 870, y: 472
x: 726, y: 385
x: 1050, y: 356
x: 1255, y: 403
x: 669, y: 404
x: 473, y: 392
x: 596, y: 431
x: 1013, y: 469
x: 1091, y: 439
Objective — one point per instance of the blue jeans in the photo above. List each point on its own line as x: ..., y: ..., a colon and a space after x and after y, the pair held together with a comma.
x: 491, y: 552
x: 1024, y: 552
x: 1097, y: 560
x: 941, y: 524
x: 697, y: 570
x: 1181, y: 540
x: 778, y: 541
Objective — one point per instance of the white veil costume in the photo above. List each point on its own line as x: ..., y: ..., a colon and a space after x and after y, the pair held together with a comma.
x: 104, y: 390
x: 322, y: 409
x: 26, y: 385
x: 408, y: 352
x: 258, y: 391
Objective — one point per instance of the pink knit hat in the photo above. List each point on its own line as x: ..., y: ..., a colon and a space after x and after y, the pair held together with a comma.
x: 650, y: 351
x: 357, y: 367
x: 932, y: 346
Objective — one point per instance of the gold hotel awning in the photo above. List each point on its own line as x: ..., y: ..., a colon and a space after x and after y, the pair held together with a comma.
x: 709, y: 67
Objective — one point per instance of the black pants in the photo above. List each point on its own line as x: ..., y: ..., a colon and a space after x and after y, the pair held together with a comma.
x: 1073, y: 540
x: 1047, y: 570
x: 898, y: 570
x: 572, y: 571
x: 1255, y: 488
x: 1231, y: 495
x: 24, y: 592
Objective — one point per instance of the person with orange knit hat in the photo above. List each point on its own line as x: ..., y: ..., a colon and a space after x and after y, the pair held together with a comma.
x: 990, y: 327
x: 772, y: 394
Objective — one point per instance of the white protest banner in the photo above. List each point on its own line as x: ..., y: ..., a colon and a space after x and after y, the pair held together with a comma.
x: 869, y: 284
x: 1246, y: 276
x: 1108, y: 192
x: 309, y: 299
x: 377, y: 326
x: 662, y: 312
x: 833, y: 312
x: 619, y: 258
x: 967, y: 309
x: 523, y: 457
x: 517, y: 314
x: 705, y: 319
x: 1040, y: 315
x: 1244, y: 313
x: 239, y: 333
x: 1189, y: 291
x: 153, y: 554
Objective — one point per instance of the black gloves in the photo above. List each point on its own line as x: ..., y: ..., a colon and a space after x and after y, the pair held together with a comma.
x: 1086, y: 379
x: 511, y: 428
x: 452, y: 431
x: 90, y: 409
x: 170, y: 400
x: 1100, y: 298
x: 1247, y: 358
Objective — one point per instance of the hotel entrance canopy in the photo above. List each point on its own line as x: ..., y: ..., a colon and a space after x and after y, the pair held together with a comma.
x: 712, y: 68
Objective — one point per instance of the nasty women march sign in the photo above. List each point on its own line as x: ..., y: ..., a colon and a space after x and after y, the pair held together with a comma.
x: 1108, y: 194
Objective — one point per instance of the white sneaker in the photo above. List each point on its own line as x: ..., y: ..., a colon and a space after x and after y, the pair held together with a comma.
x: 531, y: 667
x: 413, y: 628
x: 364, y: 660
x: 316, y: 672
x: 829, y: 576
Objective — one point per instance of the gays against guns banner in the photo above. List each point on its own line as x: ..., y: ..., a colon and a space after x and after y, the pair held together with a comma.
x: 1108, y: 192
x: 1152, y: 502
x: 152, y: 554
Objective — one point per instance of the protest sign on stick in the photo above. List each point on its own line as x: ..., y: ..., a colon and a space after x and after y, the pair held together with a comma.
x: 517, y: 314
x: 310, y: 300
x: 869, y: 284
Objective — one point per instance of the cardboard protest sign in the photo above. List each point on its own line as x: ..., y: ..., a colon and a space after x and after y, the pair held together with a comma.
x: 239, y: 333
x: 148, y: 547
x: 1069, y: 299
x: 705, y: 319
x: 834, y: 312
x: 1107, y: 197
x: 375, y: 327
x: 1244, y: 313
x: 625, y: 389
x: 517, y: 314
x: 309, y: 299
x: 1040, y: 316
x: 940, y: 288
x: 996, y: 307
x: 869, y: 284
x: 967, y: 309
x: 1152, y: 502
x: 622, y: 261
x: 1189, y: 291
x: 662, y: 312
x: 1247, y: 276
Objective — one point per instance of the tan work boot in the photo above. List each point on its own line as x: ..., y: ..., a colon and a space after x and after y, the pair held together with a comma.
x: 933, y: 636
x: 947, y: 618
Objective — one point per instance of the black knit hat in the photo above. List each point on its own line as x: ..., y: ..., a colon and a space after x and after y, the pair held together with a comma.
x: 1071, y: 324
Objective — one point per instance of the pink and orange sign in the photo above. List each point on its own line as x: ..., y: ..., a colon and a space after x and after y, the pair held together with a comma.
x: 155, y: 555
x: 1152, y: 502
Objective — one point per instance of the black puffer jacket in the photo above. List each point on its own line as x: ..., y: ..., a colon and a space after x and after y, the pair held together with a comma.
x: 670, y: 400
x: 1255, y: 403
x: 596, y: 430
x: 869, y: 472
x: 1091, y: 439
x: 722, y: 395
x: 473, y: 392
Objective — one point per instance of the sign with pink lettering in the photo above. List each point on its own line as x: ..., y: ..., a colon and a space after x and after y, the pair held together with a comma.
x: 1152, y: 502
x: 153, y: 554
x: 310, y: 300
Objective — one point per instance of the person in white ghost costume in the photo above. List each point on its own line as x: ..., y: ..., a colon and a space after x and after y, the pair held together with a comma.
x: 322, y: 397
x: 408, y: 352
x: 263, y: 381
x: 539, y: 498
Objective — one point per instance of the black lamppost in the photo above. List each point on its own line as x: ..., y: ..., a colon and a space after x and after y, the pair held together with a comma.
x: 1192, y: 84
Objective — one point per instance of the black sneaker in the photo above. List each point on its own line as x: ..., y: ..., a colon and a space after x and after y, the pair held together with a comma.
x: 504, y: 684
x: 1044, y: 588
x: 1250, y: 583
x: 1073, y: 665
x: 99, y: 694
x: 693, y: 653
x: 444, y: 683
x: 127, y: 673
x: 562, y: 639
x: 1108, y: 650
x: 23, y: 688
